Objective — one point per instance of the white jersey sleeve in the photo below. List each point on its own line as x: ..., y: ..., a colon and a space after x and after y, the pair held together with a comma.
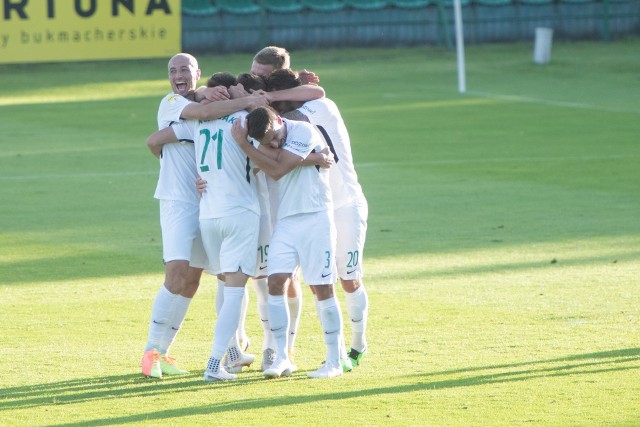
x: 176, y: 180
x: 185, y: 130
x: 170, y: 109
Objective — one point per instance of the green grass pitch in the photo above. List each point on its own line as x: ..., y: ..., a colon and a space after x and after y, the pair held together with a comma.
x: 502, y: 258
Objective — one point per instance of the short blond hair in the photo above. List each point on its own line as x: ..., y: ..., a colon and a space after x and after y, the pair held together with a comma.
x: 278, y: 57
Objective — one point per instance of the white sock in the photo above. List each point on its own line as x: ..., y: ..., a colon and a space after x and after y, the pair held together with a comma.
x: 358, y: 309
x: 219, y: 296
x: 279, y: 323
x: 242, y: 332
x: 181, y: 305
x: 227, y: 321
x: 233, y: 348
x: 262, y: 293
x: 161, y: 313
x: 331, y: 326
x: 341, y: 343
x: 295, y: 309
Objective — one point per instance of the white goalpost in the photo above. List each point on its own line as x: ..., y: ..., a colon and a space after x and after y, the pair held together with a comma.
x: 457, y: 9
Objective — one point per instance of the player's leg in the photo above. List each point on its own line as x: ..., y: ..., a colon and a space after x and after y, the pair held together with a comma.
x: 282, y: 262
x: 233, y: 241
x: 226, y: 325
x: 319, y: 243
x: 351, y: 225
x: 261, y: 287
x: 260, y: 283
x: 331, y: 321
x: 243, y: 338
x: 191, y: 284
x: 294, y: 301
x: 278, y: 312
x: 179, y: 231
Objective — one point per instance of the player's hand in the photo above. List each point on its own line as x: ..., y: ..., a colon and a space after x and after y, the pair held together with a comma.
x: 239, y: 132
x: 217, y: 93
x: 201, y: 185
x: 258, y: 99
x: 327, y: 158
x: 308, y: 77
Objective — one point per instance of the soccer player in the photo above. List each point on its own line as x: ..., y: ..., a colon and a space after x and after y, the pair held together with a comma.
x: 229, y: 222
x: 272, y: 58
x: 183, y: 253
x: 252, y: 82
x: 349, y: 203
x: 264, y: 62
x: 304, y: 233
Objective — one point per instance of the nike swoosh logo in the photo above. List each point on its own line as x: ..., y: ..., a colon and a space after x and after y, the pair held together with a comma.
x: 349, y: 272
x: 326, y: 275
x: 262, y: 268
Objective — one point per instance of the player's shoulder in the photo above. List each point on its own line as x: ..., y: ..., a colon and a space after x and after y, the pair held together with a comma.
x: 319, y: 105
x: 297, y: 127
x: 173, y: 99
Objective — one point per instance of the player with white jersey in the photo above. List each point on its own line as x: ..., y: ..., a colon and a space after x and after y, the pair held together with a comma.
x: 183, y: 254
x: 265, y: 61
x: 350, y: 205
x: 304, y: 232
x: 229, y: 221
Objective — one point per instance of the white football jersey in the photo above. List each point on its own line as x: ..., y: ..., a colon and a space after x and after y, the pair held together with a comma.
x: 306, y: 188
x: 324, y: 114
x: 177, y: 178
x: 231, y: 184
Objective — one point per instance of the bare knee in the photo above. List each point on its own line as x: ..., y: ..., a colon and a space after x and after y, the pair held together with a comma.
x: 192, y: 282
x: 278, y: 283
x: 180, y: 278
x: 350, y: 286
x: 237, y: 279
x: 322, y: 292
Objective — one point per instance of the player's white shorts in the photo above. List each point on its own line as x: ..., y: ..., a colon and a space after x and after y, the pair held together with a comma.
x: 230, y: 242
x: 308, y: 239
x: 351, y: 226
x: 181, y: 233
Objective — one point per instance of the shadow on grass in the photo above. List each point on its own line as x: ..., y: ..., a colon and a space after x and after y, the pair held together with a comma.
x: 92, y: 265
x: 126, y: 386
x: 86, y: 265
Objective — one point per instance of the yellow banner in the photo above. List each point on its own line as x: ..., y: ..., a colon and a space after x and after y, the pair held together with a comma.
x: 80, y: 30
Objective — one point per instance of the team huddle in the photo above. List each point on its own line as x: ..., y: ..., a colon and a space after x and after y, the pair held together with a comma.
x: 257, y: 183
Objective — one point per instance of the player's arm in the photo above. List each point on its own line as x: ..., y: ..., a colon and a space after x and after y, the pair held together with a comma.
x: 201, y: 185
x: 215, y: 110
x: 159, y: 138
x: 308, y: 77
x: 275, y: 168
x: 216, y: 93
x: 324, y: 158
x: 300, y: 93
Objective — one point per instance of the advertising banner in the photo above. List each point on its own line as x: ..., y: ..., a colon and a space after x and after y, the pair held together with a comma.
x: 82, y: 30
